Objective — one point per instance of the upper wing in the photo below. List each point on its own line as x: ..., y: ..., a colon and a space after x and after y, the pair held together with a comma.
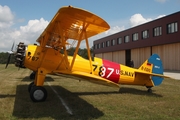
x: 71, y: 23
x: 91, y: 78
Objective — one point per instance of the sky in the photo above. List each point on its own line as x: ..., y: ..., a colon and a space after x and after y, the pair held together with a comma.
x: 25, y: 20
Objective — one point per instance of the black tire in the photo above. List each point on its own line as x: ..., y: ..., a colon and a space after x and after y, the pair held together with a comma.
x: 32, y: 75
x: 149, y: 90
x: 38, y: 94
x: 30, y: 86
x: 148, y: 87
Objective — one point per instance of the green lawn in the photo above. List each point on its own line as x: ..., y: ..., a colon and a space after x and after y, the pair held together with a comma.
x: 87, y: 101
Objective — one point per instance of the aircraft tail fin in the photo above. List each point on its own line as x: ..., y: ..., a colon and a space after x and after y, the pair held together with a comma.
x: 153, y: 65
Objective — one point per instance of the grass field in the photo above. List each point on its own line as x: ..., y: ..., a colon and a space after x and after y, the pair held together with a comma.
x: 85, y: 100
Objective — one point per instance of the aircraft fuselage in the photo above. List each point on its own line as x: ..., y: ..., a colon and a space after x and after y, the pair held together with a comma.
x: 52, y: 60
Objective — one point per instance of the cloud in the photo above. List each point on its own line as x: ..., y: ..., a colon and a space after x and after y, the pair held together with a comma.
x: 27, y: 34
x: 138, y: 19
x: 161, y: 1
x: 111, y: 31
x: 135, y: 20
x: 160, y: 16
x: 31, y: 31
x: 6, y: 17
x: 114, y: 30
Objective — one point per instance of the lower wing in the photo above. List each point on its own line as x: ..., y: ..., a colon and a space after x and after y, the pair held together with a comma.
x: 89, y: 77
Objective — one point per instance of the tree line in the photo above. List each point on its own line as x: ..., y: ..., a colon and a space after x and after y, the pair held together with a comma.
x: 82, y: 52
x: 4, y: 58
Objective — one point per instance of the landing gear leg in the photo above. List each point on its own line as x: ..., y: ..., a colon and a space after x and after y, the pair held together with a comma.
x: 37, y: 92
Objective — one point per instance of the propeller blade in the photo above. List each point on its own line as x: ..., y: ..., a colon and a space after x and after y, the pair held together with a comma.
x: 12, y: 47
x: 9, y: 57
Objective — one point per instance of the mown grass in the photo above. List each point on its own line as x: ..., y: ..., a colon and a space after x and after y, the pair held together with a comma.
x: 86, y: 100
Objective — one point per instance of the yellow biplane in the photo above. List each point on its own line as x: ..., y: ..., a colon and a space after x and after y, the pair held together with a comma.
x: 51, y: 55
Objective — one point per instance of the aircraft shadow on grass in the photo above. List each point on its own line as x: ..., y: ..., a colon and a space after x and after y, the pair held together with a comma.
x: 53, y: 108
x: 7, y: 95
x: 27, y: 79
x: 123, y: 90
x: 135, y: 91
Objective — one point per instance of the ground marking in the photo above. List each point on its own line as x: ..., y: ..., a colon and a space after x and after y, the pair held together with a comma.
x: 60, y: 98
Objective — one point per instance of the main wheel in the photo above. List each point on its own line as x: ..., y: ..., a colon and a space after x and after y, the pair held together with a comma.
x: 30, y: 86
x: 38, y: 94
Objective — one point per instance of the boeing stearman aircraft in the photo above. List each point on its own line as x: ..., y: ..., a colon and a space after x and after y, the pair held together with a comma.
x: 51, y: 56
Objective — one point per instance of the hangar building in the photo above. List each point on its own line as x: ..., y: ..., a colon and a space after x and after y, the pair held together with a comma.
x: 161, y: 36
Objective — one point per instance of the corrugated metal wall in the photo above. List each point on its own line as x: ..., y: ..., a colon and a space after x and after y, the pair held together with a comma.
x: 107, y: 56
x: 100, y: 55
x: 170, y: 55
x: 140, y: 55
x: 119, y: 57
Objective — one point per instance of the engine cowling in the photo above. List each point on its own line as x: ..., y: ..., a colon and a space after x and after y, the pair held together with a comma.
x: 20, y: 55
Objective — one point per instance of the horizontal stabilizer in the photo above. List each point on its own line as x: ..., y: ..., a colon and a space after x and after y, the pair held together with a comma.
x: 151, y: 74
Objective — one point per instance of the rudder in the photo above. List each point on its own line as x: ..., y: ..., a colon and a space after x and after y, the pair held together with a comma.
x: 154, y: 65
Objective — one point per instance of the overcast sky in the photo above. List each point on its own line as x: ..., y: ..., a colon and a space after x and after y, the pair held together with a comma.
x: 24, y: 21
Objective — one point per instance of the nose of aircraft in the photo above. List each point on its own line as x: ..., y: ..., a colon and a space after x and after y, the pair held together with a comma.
x: 19, y: 54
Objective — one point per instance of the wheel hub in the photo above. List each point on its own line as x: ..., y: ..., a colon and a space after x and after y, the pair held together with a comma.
x: 38, y: 94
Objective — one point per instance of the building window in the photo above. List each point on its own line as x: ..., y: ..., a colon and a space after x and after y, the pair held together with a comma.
x: 99, y: 46
x: 157, y: 31
x: 103, y: 45
x: 126, y: 39
x: 172, y: 27
x: 112, y: 42
x: 119, y: 40
x: 107, y: 43
x: 145, y: 34
x: 135, y: 36
x: 95, y: 46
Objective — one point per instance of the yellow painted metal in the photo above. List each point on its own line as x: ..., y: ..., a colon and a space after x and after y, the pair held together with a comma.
x: 46, y: 62
x: 72, y: 22
x: 78, y: 24
x: 68, y: 23
x: 88, y: 51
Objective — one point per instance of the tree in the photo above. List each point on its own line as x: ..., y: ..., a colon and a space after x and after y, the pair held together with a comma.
x: 82, y: 52
x: 4, y: 58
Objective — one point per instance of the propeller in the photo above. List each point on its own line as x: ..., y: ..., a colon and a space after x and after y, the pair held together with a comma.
x: 9, y: 57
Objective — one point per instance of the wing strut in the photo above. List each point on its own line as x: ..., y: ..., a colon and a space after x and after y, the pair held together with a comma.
x: 89, y: 54
x: 76, y: 51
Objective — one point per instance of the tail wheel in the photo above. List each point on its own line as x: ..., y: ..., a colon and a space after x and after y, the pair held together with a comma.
x: 38, y: 94
x: 149, y: 89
